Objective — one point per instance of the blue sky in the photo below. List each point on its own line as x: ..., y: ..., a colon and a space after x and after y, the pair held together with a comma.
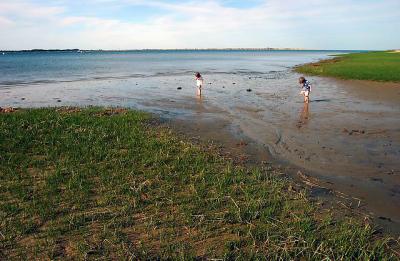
x: 138, y: 24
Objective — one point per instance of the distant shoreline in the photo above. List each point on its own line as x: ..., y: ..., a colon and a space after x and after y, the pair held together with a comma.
x: 194, y: 49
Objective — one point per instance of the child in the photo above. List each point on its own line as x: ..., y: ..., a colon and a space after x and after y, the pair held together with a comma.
x: 199, y: 83
x: 305, y: 89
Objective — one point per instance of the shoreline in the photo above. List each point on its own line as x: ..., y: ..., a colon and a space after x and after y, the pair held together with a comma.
x: 347, y: 125
x: 261, y: 121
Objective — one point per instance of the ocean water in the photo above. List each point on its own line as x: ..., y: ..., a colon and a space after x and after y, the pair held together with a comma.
x: 24, y: 68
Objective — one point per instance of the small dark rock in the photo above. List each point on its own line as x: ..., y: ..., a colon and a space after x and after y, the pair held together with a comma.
x: 390, y: 172
x: 22, y: 99
x: 234, y: 83
x: 58, y: 100
x: 179, y: 88
x: 377, y: 180
x: 248, y: 90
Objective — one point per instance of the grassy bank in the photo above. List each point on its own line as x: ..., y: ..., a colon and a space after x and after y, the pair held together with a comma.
x: 376, y: 66
x: 98, y: 183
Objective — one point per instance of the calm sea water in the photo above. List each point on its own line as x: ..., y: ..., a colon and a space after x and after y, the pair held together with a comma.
x: 44, y: 67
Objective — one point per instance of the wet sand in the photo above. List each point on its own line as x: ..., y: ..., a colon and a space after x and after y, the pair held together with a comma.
x: 348, y: 137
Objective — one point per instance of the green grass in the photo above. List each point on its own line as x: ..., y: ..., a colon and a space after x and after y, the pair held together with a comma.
x: 375, y: 66
x: 101, y: 184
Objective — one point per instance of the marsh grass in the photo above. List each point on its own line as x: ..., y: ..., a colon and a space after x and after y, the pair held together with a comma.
x: 376, y: 66
x: 107, y: 184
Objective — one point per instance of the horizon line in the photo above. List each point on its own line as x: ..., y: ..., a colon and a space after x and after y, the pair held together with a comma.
x: 186, y: 49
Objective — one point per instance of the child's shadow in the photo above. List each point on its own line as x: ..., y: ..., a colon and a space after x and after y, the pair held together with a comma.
x: 304, y: 116
x: 321, y: 100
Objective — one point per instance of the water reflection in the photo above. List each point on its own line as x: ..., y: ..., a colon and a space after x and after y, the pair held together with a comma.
x: 200, y: 109
x: 304, y: 116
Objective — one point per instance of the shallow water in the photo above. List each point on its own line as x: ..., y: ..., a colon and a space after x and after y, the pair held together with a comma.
x: 22, y: 68
x: 348, y: 136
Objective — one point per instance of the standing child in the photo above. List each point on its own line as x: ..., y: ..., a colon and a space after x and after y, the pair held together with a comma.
x: 199, y: 83
x: 305, y: 89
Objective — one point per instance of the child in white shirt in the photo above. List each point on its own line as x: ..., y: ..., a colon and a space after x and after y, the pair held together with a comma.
x: 199, y: 83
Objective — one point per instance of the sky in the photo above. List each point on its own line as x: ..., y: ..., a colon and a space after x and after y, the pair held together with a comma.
x: 175, y: 24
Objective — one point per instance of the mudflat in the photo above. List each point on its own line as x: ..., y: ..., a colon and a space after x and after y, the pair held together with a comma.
x: 348, y: 137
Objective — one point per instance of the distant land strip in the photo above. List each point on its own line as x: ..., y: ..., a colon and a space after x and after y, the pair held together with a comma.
x: 189, y: 49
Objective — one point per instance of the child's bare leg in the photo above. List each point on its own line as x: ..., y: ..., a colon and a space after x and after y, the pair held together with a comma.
x: 306, y: 97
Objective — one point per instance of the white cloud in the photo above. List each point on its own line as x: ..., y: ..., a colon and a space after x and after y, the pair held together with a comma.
x: 193, y: 24
x: 88, y: 21
x: 29, y: 10
x: 5, y: 22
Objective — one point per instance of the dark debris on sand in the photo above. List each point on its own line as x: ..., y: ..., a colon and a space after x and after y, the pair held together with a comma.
x: 351, y: 132
x: 112, y: 111
x: 67, y: 110
x: 7, y: 110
